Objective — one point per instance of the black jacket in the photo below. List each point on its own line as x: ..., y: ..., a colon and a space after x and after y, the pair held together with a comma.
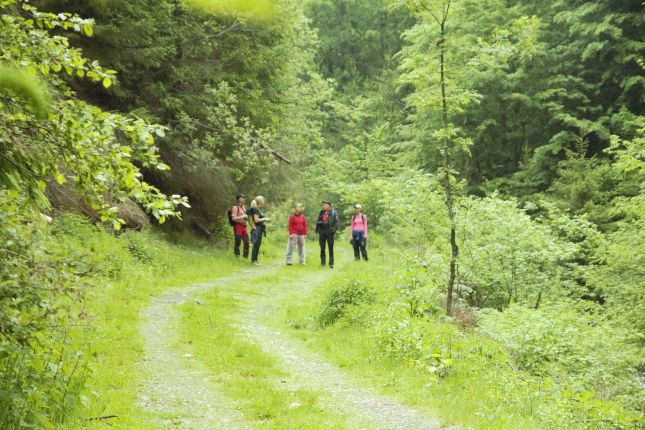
x: 327, y: 227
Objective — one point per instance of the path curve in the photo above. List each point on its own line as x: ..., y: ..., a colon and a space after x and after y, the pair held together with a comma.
x: 175, y: 387
x: 310, y: 371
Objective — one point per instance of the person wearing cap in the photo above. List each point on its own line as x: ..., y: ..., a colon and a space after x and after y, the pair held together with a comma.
x: 358, y: 233
x: 326, y: 227
x: 239, y: 216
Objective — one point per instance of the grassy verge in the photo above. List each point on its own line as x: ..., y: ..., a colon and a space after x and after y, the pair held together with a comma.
x: 464, y: 378
x: 470, y: 395
x: 140, y: 266
x: 460, y: 397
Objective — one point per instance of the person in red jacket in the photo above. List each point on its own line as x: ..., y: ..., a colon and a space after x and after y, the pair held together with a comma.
x: 297, y: 234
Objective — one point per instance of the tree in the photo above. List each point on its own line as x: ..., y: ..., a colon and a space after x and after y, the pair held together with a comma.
x: 239, y: 95
x: 67, y: 139
x: 434, y: 17
x: 48, y: 134
x: 582, y: 79
x: 441, y: 56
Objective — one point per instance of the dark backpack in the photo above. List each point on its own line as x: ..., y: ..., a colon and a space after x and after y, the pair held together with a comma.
x: 362, y: 217
x: 229, y: 214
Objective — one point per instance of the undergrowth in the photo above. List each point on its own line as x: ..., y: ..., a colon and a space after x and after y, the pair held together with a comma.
x: 521, y: 369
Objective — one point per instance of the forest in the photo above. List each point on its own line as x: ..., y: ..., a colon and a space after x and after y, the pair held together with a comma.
x: 497, y: 148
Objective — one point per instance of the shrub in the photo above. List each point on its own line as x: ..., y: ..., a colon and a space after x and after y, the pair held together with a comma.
x: 561, y: 342
x: 618, y: 276
x: 412, y: 340
x: 508, y: 256
x: 399, y: 337
x: 352, y: 292
x: 138, y: 249
x: 40, y: 374
x: 92, y: 250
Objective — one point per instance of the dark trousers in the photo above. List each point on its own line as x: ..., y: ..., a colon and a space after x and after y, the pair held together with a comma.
x: 359, y: 243
x: 241, y: 238
x: 325, y: 237
x: 257, y: 242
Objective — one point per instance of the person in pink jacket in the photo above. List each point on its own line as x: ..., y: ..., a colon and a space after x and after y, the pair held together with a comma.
x: 358, y: 233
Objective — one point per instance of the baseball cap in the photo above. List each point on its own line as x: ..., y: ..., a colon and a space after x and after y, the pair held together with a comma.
x: 358, y: 206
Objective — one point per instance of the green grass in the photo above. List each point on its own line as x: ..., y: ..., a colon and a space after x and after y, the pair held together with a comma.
x: 113, y: 308
x: 480, y: 390
x: 243, y: 372
x: 462, y: 397
x: 471, y: 395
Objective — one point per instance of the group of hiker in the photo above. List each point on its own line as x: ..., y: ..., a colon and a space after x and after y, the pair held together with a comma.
x: 241, y: 217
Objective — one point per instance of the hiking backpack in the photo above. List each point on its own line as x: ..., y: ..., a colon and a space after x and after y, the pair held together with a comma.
x: 229, y: 214
x: 362, y: 217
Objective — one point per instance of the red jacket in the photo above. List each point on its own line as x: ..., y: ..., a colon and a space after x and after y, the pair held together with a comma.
x: 298, y: 224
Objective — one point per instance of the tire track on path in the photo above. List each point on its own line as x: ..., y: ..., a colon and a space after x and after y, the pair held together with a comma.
x: 176, y: 388
x: 310, y: 371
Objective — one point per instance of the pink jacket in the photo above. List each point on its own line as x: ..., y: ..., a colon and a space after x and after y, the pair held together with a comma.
x: 359, y: 223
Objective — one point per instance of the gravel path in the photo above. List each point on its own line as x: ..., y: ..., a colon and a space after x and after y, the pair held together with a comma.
x: 310, y: 371
x: 178, y: 390
x: 175, y: 387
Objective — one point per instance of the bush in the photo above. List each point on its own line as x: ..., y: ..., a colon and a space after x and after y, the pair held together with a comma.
x: 417, y: 342
x: 412, y: 289
x: 507, y: 256
x: 399, y: 336
x: 353, y: 292
x: 139, y: 249
x: 618, y: 276
x: 40, y: 374
x: 93, y: 250
x: 584, y: 351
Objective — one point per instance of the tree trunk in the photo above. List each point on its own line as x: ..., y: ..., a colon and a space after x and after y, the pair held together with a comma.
x: 447, y: 184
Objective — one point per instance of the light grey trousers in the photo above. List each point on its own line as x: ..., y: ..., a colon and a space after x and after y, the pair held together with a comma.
x: 299, y: 241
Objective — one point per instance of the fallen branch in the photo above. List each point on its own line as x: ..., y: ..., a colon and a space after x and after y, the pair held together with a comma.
x: 275, y: 153
x: 202, y: 229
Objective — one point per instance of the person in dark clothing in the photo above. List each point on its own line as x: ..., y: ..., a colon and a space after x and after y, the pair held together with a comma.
x: 238, y: 213
x: 259, y: 227
x: 326, y: 227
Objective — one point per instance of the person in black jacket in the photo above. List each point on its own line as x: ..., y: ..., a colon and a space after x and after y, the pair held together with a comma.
x: 326, y: 227
x: 259, y: 226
